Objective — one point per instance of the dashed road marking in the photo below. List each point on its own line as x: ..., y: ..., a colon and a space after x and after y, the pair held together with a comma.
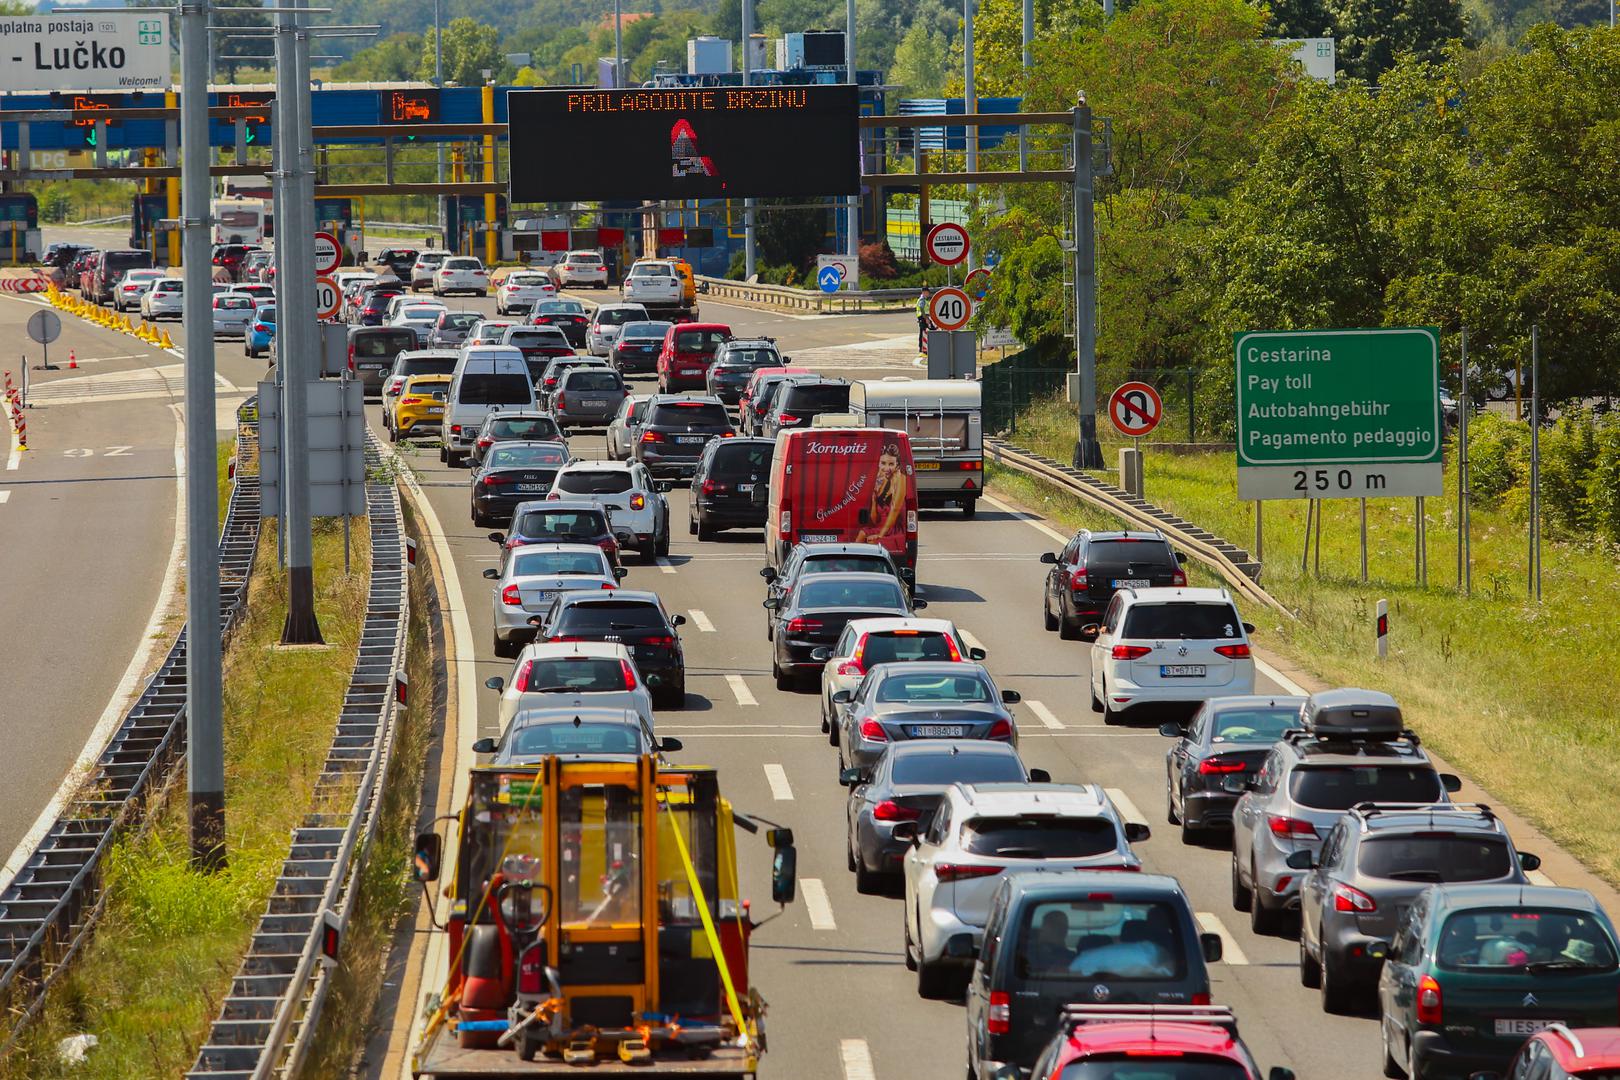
x: 1538, y: 878
x: 666, y: 566
x: 776, y: 776
x: 972, y: 642
x: 701, y: 621
x: 1231, y: 952
x: 5, y: 496
x: 1045, y: 715
x: 739, y: 689
x: 857, y: 1059
x: 1122, y: 803
x: 817, y: 905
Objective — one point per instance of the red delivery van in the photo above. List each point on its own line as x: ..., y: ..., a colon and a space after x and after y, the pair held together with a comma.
x: 842, y: 485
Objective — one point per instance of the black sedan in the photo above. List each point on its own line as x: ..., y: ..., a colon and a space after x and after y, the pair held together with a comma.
x: 636, y: 350
x: 1217, y: 753
x: 635, y: 619
x: 513, y: 473
x: 808, y: 560
x: 814, y: 615
x: 566, y: 315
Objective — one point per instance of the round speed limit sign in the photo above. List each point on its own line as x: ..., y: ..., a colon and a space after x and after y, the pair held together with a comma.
x: 328, y: 300
x: 950, y: 309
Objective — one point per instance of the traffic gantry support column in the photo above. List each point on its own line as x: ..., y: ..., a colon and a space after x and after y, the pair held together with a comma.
x: 489, y: 176
x: 1087, y: 450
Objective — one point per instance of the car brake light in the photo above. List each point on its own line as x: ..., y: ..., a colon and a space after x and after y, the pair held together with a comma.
x: 889, y: 810
x: 562, y: 400
x: 1130, y: 652
x: 1430, y: 1008
x: 410, y: 401
x: 664, y: 641
x: 872, y: 731
x: 552, y: 381
x: 1200, y: 999
x: 789, y: 418
x: 998, y: 1017
x: 801, y: 625
x: 1077, y: 579
x: 712, y: 486
x: 911, y: 521
x: 1235, y: 652
x: 1179, y: 578
x: 511, y: 597
x: 455, y: 429
x: 485, y: 443
x: 851, y: 667
x: 638, y: 501
x: 728, y: 434
x: 495, y: 480
x: 787, y: 522
x: 520, y: 681
x: 652, y: 436
x: 962, y: 871
x: 950, y: 644
x: 351, y: 357
x: 1001, y: 729
x: 1220, y: 765
x: 609, y: 545
x: 1346, y: 898
x: 629, y: 674
x: 1288, y: 826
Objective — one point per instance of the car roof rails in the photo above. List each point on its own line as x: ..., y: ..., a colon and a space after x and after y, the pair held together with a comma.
x: 1077, y: 1015
x: 1368, y: 811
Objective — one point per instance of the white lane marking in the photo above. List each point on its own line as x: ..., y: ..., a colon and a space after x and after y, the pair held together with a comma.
x: 1538, y: 878
x: 972, y: 642
x: 857, y: 1059
x: 14, y: 457
x: 1231, y: 952
x: 1027, y: 518
x: 740, y: 691
x: 1279, y: 678
x: 664, y: 565
x: 5, y: 497
x: 129, y: 684
x: 1045, y: 715
x: 776, y: 776
x: 701, y: 621
x: 816, y: 904
x: 1122, y: 803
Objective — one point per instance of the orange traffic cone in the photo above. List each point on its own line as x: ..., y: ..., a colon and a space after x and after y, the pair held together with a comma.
x: 73, y: 360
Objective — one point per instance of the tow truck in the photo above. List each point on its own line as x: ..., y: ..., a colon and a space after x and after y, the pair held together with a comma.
x: 596, y: 925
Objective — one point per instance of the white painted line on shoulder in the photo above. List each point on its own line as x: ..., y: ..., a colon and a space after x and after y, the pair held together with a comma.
x: 857, y: 1059
x: 1028, y: 518
x: 740, y: 691
x: 1231, y: 951
x: 665, y: 566
x: 817, y: 904
x: 1278, y: 677
x: 14, y: 457
x: 1045, y: 715
x: 776, y: 776
x: 972, y: 642
x: 5, y: 497
x: 1538, y: 878
x: 701, y: 621
x: 1122, y: 803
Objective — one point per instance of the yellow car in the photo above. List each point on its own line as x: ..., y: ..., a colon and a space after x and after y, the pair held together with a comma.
x: 420, y: 405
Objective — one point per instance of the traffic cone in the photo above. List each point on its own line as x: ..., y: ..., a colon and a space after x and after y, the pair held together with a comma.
x: 73, y: 360
x: 167, y: 344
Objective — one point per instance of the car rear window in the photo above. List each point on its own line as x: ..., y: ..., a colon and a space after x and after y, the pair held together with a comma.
x: 526, y: 339
x: 1123, y: 940
x: 651, y: 271
x: 649, y: 330
x: 582, y: 525
x: 846, y: 564
x: 618, y: 316
x: 816, y: 397
x: 428, y: 365
x: 693, y: 413
x: 595, y: 481
x: 612, y: 615
x: 542, y: 563
x: 1438, y: 857
x: 1195, y: 622
x: 435, y: 387
x: 568, y: 738
x: 463, y: 264
x: 486, y: 389
x: 517, y: 457
x: 1114, y: 557
x: 930, y: 686
x: 579, y: 674
x: 699, y: 341
x: 1508, y: 938
x: 1129, y: 1067
x: 835, y: 594
x: 941, y: 767
x: 742, y: 457
x: 1040, y: 838
x: 1253, y: 725
x: 458, y: 320
x: 1339, y: 787
x: 752, y: 358
x: 535, y: 428
x: 897, y: 646
x: 391, y: 343
x: 561, y: 307
x: 605, y: 381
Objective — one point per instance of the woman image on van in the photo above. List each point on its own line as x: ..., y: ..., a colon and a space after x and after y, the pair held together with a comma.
x: 882, y: 515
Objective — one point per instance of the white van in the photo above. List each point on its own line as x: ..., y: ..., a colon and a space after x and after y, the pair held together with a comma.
x: 943, y: 418
x: 488, y: 378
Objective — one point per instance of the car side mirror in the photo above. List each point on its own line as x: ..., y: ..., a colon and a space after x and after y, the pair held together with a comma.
x: 772, y: 603
x: 1300, y: 860
x: 1039, y: 776
x: 1091, y: 631
x: 677, y: 620
x: 670, y: 745
x: 1279, y: 1073
x: 495, y: 682
x: 536, y: 620
x: 1011, y: 697
x: 843, y: 697
x: 664, y: 487
x: 851, y: 777
x: 821, y: 653
x: 1049, y: 558
x: 918, y: 603
x: 1181, y: 556
x: 786, y: 360
x: 1251, y: 783
x: 429, y: 850
x: 784, y: 874
x: 768, y: 573
x: 497, y: 538
x: 960, y: 947
x: 1170, y: 730
x: 1377, y: 950
x: 620, y: 573
x: 1529, y: 862
x: 1451, y: 782
x: 1211, y: 946
x: 1248, y: 628
x: 906, y: 831
x: 1137, y: 832
x: 484, y: 746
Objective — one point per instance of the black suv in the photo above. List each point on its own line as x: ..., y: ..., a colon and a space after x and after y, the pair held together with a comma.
x: 1094, y: 566
x: 399, y: 261
x: 675, y: 431
x: 807, y: 560
x: 735, y: 363
x: 802, y: 400
x: 635, y: 619
x: 729, y: 486
x: 111, y: 268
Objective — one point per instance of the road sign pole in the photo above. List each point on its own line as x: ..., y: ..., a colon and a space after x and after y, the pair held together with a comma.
x: 750, y: 252
x: 205, y: 735
x: 970, y: 104
x: 854, y: 206
x: 1087, y: 450
x: 1364, y: 540
x: 1465, y: 561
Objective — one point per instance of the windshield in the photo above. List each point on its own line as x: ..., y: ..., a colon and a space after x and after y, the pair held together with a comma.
x: 618, y: 316
x: 538, y: 428
x: 507, y: 457
x: 611, y: 615
x: 906, y: 646
x: 595, y: 481
x: 690, y: 413
x: 1440, y: 857
x: 577, y: 674
x: 1182, y: 621
x: 928, y: 687
x: 1339, y: 787
x: 545, y: 563
x: 833, y: 594
x: 564, y: 737
x: 1102, y: 939
x: 1040, y: 838
x: 1253, y: 725
x: 1178, y: 1067
x: 653, y: 331
x: 495, y: 390
x: 585, y: 525
x: 939, y: 767
x: 1525, y: 938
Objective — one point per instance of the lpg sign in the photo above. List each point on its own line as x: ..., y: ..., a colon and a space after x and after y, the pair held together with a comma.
x: 95, y: 50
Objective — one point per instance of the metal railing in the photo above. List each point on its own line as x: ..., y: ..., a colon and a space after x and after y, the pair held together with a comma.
x: 266, y: 1023
x: 50, y: 906
x: 788, y: 298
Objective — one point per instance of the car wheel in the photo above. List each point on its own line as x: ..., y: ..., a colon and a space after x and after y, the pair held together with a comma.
x: 1170, y: 814
x: 393, y: 436
x: 1110, y: 717
x: 1048, y: 620
x: 456, y: 460
x: 784, y: 679
x: 1067, y: 631
x: 1392, y: 1070
x: 704, y: 532
x: 1242, y: 895
x: 444, y: 457
x: 504, y: 649
x: 970, y: 509
x: 691, y: 526
x: 866, y: 882
x: 1096, y: 702
x: 1262, y: 919
x: 1310, y: 972
x: 648, y: 553
x: 934, y: 981
x: 1337, y: 996
x: 849, y: 850
x: 662, y: 547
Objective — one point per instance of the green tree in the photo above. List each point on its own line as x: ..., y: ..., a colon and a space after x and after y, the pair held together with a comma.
x: 396, y: 58
x: 470, y: 47
x: 230, y: 52
x: 920, y: 61
x: 1301, y: 19
x: 1373, y: 33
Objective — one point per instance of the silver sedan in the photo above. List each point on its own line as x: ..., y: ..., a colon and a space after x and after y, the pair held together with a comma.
x: 533, y: 575
x: 573, y: 674
x: 928, y: 700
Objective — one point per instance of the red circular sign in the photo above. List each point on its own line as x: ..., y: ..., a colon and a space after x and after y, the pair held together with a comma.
x: 950, y: 309
x: 327, y: 253
x: 977, y: 283
x: 947, y: 243
x: 328, y: 298
x: 1135, y: 408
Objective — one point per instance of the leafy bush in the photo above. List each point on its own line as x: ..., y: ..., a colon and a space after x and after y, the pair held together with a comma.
x: 1569, y: 453
x: 877, y: 261
x: 1498, y: 457
x: 1603, y: 483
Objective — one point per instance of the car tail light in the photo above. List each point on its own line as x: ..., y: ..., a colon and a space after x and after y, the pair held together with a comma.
x: 1430, y: 1007
x: 728, y: 434
x: 562, y: 399
x: 609, y: 545
x: 1200, y: 999
x: 962, y: 871
x: 1346, y: 898
x: 520, y: 681
x: 1220, y: 765
x: 712, y: 486
x: 638, y: 501
x: 485, y: 443
x: 564, y: 637
x: 552, y: 381
x: 663, y: 640
x: 950, y: 644
x: 1077, y: 580
x: 652, y: 436
x: 789, y: 418
x: 410, y: 401
x: 455, y: 429
x: 1001, y: 729
x: 629, y: 674
x: 851, y: 667
x: 609, y: 585
x: 911, y: 521
x: 801, y: 625
x: 351, y: 356
x: 1179, y: 578
x: 889, y: 810
x: 1235, y: 652
x: 1130, y: 652
x: 787, y: 522
x: 495, y: 480
x: 1287, y: 827
x: 998, y: 1018
x: 511, y: 597
x: 872, y: 731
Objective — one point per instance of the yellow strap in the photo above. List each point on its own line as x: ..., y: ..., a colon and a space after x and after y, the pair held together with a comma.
x: 708, y: 930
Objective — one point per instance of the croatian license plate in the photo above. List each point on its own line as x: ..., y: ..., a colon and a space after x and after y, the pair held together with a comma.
x: 595, y: 403
x: 925, y: 466
x: 938, y: 731
x: 1523, y: 1026
x: 1181, y: 671
x: 539, y: 489
x: 435, y: 410
x: 817, y: 538
x: 1132, y: 583
x: 688, y: 440
x: 745, y: 489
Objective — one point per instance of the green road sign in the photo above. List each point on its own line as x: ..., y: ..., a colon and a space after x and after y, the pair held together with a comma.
x: 1325, y: 414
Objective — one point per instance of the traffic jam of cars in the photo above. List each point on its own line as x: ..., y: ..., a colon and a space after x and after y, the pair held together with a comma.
x: 1021, y: 895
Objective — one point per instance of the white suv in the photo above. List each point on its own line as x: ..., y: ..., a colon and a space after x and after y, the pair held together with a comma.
x: 582, y: 268
x: 979, y: 831
x: 426, y: 265
x: 637, y: 511
x: 461, y: 273
x: 1169, y: 648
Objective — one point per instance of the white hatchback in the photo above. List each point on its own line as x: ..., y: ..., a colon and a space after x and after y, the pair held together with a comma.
x: 574, y: 674
x: 521, y: 290
x: 1171, y: 648
x: 427, y: 264
x: 461, y: 273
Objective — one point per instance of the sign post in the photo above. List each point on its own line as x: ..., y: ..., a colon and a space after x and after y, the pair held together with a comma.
x: 44, y: 327
x: 828, y: 278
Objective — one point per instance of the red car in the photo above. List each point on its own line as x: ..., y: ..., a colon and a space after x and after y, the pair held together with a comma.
x: 1561, y: 1053
x: 688, y: 351
x: 1173, y: 1042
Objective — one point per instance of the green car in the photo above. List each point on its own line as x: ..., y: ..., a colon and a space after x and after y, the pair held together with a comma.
x: 1474, y: 970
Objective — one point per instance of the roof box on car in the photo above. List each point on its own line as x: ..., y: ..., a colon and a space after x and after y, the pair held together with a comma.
x: 1352, y: 714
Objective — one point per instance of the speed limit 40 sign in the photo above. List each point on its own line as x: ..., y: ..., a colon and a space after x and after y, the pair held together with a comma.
x: 950, y: 309
x: 328, y: 300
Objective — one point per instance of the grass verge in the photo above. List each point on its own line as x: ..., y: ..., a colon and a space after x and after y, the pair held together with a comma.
x: 150, y: 981
x: 1506, y: 688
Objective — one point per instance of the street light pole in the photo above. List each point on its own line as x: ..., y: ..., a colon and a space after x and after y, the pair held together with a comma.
x: 750, y: 253
x: 970, y: 104
x: 1087, y: 450
x: 1029, y: 65
x: 853, y: 211
x: 438, y: 80
x: 205, y: 735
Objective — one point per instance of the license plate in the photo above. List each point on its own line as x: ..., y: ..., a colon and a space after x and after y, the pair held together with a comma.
x: 745, y: 489
x: 688, y: 440
x: 1518, y: 1026
x: 435, y: 410
x: 938, y: 731
x: 1181, y: 671
x: 1132, y: 583
x: 817, y: 538
x: 926, y: 466
x: 595, y: 403
x: 1235, y: 782
x: 541, y: 489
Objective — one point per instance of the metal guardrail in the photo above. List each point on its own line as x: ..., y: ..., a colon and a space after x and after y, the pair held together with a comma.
x: 787, y: 298
x: 1225, y: 558
x: 48, y: 909
x: 267, y: 1021
x: 116, y: 219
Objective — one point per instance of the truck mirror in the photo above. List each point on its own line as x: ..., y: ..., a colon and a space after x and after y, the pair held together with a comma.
x: 429, y: 847
x: 784, y: 874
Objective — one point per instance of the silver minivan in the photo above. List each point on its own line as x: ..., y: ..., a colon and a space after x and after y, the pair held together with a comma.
x: 487, y: 379
x: 587, y: 397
